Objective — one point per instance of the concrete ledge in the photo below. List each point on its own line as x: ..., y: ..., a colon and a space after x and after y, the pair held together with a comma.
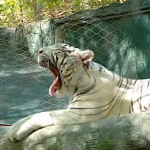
x: 131, y: 132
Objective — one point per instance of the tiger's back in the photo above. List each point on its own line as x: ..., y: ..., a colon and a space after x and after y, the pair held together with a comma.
x: 112, y: 95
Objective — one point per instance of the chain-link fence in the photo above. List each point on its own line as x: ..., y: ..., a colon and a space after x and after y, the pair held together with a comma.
x: 117, y: 32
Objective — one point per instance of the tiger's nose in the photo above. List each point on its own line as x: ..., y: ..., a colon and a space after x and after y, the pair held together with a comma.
x: 40, y: 51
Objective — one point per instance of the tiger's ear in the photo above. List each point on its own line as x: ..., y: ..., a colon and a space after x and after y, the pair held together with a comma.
x: 86, y: 56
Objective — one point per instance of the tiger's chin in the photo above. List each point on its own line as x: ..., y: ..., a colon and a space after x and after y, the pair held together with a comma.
x: 61, y: 93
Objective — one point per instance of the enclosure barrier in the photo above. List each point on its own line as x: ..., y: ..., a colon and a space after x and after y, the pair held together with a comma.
x: 124, y: 133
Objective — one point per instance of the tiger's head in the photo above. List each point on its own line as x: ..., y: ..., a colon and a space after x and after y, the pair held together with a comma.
x: 67, y: 64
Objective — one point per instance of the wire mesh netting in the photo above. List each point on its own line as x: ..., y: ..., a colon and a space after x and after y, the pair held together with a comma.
x: 117, y: 32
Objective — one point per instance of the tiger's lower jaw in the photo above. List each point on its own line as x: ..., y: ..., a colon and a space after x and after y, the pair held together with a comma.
x: 60, y: 93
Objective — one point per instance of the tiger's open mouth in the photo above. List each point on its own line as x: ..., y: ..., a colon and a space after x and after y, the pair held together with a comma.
x: 56, y: 85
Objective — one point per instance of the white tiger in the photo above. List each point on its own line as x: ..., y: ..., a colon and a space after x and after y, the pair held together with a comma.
x: 94, y: 92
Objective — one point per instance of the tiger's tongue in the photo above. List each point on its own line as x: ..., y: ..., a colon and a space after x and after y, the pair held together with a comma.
x: 53, y: 87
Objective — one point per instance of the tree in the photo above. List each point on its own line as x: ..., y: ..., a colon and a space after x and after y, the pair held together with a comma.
x: 16, y: 12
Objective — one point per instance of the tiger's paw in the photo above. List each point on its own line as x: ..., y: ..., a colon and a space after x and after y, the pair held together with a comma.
x: 20, y: 129
x: 26, y: 126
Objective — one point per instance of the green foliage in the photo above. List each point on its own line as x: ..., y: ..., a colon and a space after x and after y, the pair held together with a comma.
x: 16, y: 12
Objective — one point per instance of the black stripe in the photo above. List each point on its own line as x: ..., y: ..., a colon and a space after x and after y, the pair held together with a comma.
x: 70, y: 77
x: 88, y: 88
x: 145, y: 108
x: 143, y: 96
x: 91, y: 67
x: 113, y: 76
x: 88, y: 74
x: 139, y: 100
x: 53, y: 58
x: 131, y: 107
x: 137, y: 89
x: 76, y: 89
x: 62, y: 61
x: 128, y: 89
x: 56, y: 61
x: 90, y: 113
x: 85, y: 91
x: 139, y: 86
x: 120, y: 79
x: 100, y: 68
x: 135, y: 93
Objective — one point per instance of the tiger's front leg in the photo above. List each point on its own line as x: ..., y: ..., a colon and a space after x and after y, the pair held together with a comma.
x: 27, y: 125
